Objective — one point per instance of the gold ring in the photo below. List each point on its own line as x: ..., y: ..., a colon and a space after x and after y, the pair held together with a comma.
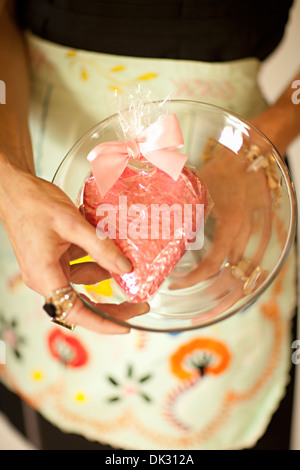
x: 268, y: 163
x: 58, y: 304
x: 239, y: 272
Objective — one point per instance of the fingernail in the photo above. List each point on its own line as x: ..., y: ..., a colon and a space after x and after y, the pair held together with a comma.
x: 144, y: 308
x: 139, y: 308
x: 124, y: 265
x: 125, y: 331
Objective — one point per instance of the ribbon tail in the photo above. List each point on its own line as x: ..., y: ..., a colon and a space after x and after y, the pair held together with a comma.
x: 169, y: 161
x: 107, y: 169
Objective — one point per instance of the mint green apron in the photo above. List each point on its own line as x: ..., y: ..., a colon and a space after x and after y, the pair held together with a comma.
x: 142, y: 390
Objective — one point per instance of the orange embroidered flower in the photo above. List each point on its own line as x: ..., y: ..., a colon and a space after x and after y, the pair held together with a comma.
x: 215, y: 358
x: 270, y: 309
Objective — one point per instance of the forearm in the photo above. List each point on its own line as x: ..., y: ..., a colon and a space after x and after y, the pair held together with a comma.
x: 281, y: 121
x: 15, y: 142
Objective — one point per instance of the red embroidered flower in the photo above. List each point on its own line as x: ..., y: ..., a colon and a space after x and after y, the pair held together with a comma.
x: 67, y: 349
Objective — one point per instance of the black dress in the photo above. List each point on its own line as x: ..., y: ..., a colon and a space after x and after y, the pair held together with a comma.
x: 207, y: 30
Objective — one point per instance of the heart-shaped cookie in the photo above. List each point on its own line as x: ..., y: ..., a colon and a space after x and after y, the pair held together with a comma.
x: 153, y: 220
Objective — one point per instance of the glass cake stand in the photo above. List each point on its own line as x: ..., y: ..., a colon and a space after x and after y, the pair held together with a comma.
x: 252, y: 195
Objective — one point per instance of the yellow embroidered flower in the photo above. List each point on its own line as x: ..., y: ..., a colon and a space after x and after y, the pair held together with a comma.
x: 118, y: 68
x: 37, y: 375
x: 84, y: 74
x: 80, y: 397
x: 115, y: 89
x: 71, y: 54
x: 147, y: 76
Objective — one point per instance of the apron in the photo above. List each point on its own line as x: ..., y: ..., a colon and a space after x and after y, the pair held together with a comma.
x: 212, y: 388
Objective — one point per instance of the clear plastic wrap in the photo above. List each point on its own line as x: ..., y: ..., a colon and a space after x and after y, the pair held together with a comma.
x: 153, y: 217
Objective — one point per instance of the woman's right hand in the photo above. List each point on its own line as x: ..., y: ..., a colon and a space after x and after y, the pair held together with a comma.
x: 45, y: 229
x: 242, y: 207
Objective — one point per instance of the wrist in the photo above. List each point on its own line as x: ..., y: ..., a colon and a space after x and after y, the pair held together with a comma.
x: 12, y: 180
x: 280, y: 124
x: 15, y: 142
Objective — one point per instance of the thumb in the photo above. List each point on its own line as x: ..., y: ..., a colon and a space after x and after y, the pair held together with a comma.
x: 103, y: 251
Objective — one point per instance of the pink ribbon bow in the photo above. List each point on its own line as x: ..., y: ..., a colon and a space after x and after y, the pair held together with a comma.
x: 157, y: 143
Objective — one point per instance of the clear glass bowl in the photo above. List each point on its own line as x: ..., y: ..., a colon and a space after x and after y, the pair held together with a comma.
x: 210, y: 135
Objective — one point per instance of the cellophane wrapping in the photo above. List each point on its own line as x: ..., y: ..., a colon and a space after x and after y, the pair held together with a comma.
x: 145, y: 214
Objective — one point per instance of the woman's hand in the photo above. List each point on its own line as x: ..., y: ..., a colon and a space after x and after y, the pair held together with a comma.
x: 41, y: 222
x: 242, y: 206
x: 46, y: 231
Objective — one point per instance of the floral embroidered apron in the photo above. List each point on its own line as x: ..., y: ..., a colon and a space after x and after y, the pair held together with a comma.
x: 213, y: 388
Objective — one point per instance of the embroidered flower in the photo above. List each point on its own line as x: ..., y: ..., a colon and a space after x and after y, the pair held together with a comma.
x: 37, y: 375
x: 67, y: 349
x: 200, y: 356
x: 117, y: 77
x: 194, y: 87
x: 130, y: 386
x: 9, y: 334
x: 80, y: 397
x: 200, y: 362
